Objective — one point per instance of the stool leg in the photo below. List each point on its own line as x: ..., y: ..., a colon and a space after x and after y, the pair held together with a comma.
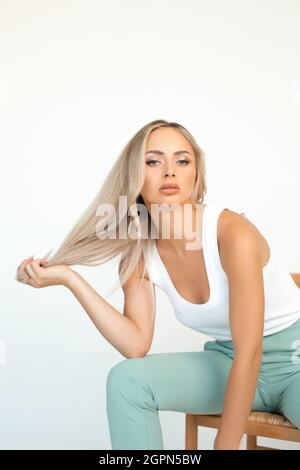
x: 251, y: 442
x: 191, y: 432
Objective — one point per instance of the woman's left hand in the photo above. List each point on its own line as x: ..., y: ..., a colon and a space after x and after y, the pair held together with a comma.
x: 222, y: 443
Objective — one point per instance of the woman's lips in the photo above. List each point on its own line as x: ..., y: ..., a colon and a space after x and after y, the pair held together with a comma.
x: 169, y: 190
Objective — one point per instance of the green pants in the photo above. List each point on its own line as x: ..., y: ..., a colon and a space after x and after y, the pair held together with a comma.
x: 195, y: 382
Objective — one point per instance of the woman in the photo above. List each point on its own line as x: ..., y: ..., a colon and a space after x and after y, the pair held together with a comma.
x: 222, y: 281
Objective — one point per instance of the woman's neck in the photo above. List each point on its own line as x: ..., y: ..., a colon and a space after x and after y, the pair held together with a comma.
x: 188, y: 227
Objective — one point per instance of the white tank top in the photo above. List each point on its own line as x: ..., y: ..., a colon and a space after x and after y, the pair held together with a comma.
x: 282, y: 295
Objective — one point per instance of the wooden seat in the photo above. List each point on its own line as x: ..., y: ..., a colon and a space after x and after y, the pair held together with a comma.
x: 260, y: 423
x: 296, y: 278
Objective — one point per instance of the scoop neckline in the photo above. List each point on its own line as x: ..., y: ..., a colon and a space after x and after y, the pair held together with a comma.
x: 207, y: 304
x: 205, y: 257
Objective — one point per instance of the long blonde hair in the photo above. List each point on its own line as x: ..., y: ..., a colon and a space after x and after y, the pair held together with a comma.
x: 82, y: 245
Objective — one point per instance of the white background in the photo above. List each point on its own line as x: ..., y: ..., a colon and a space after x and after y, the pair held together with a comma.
x: 77, y: 80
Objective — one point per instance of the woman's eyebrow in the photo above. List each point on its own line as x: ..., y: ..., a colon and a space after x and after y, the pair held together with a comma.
x: 158, y: 152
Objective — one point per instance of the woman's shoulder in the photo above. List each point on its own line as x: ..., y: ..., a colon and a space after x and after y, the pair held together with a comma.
x: 233, y: 226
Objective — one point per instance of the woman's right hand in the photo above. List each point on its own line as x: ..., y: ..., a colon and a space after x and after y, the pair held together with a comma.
x: 33, y: 273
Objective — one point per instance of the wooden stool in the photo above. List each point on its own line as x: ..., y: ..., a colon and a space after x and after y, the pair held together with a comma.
x: 259, y: 424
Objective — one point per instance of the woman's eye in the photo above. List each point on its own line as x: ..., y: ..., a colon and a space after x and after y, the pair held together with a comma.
x: 149, y: 162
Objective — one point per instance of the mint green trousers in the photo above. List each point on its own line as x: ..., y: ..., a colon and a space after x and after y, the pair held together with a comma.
x: 195, y: 382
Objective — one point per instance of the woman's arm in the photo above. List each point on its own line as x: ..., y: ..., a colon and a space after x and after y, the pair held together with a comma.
x: 242, y: 261
x: 131, y: 338
x: 238, y: 401
x: 122, y: 332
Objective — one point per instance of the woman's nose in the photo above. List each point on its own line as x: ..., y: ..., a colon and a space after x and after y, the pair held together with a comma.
x: 169, y: 171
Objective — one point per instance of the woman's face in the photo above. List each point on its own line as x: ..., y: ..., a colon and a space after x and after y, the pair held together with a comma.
x: 169, y: 158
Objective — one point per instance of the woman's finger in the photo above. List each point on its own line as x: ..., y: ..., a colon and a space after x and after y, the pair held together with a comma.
x: 30, y: 272
x: 22, y: 265
x: 36, y: 268
x: 25, y: 261
x: 22, y: 278
x: 25, y: 279
x: 28, y: 281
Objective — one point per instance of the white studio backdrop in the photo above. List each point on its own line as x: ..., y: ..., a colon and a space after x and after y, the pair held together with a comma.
x: 77, y: 80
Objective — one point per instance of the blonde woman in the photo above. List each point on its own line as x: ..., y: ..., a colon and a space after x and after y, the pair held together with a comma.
x: 222, y: 280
